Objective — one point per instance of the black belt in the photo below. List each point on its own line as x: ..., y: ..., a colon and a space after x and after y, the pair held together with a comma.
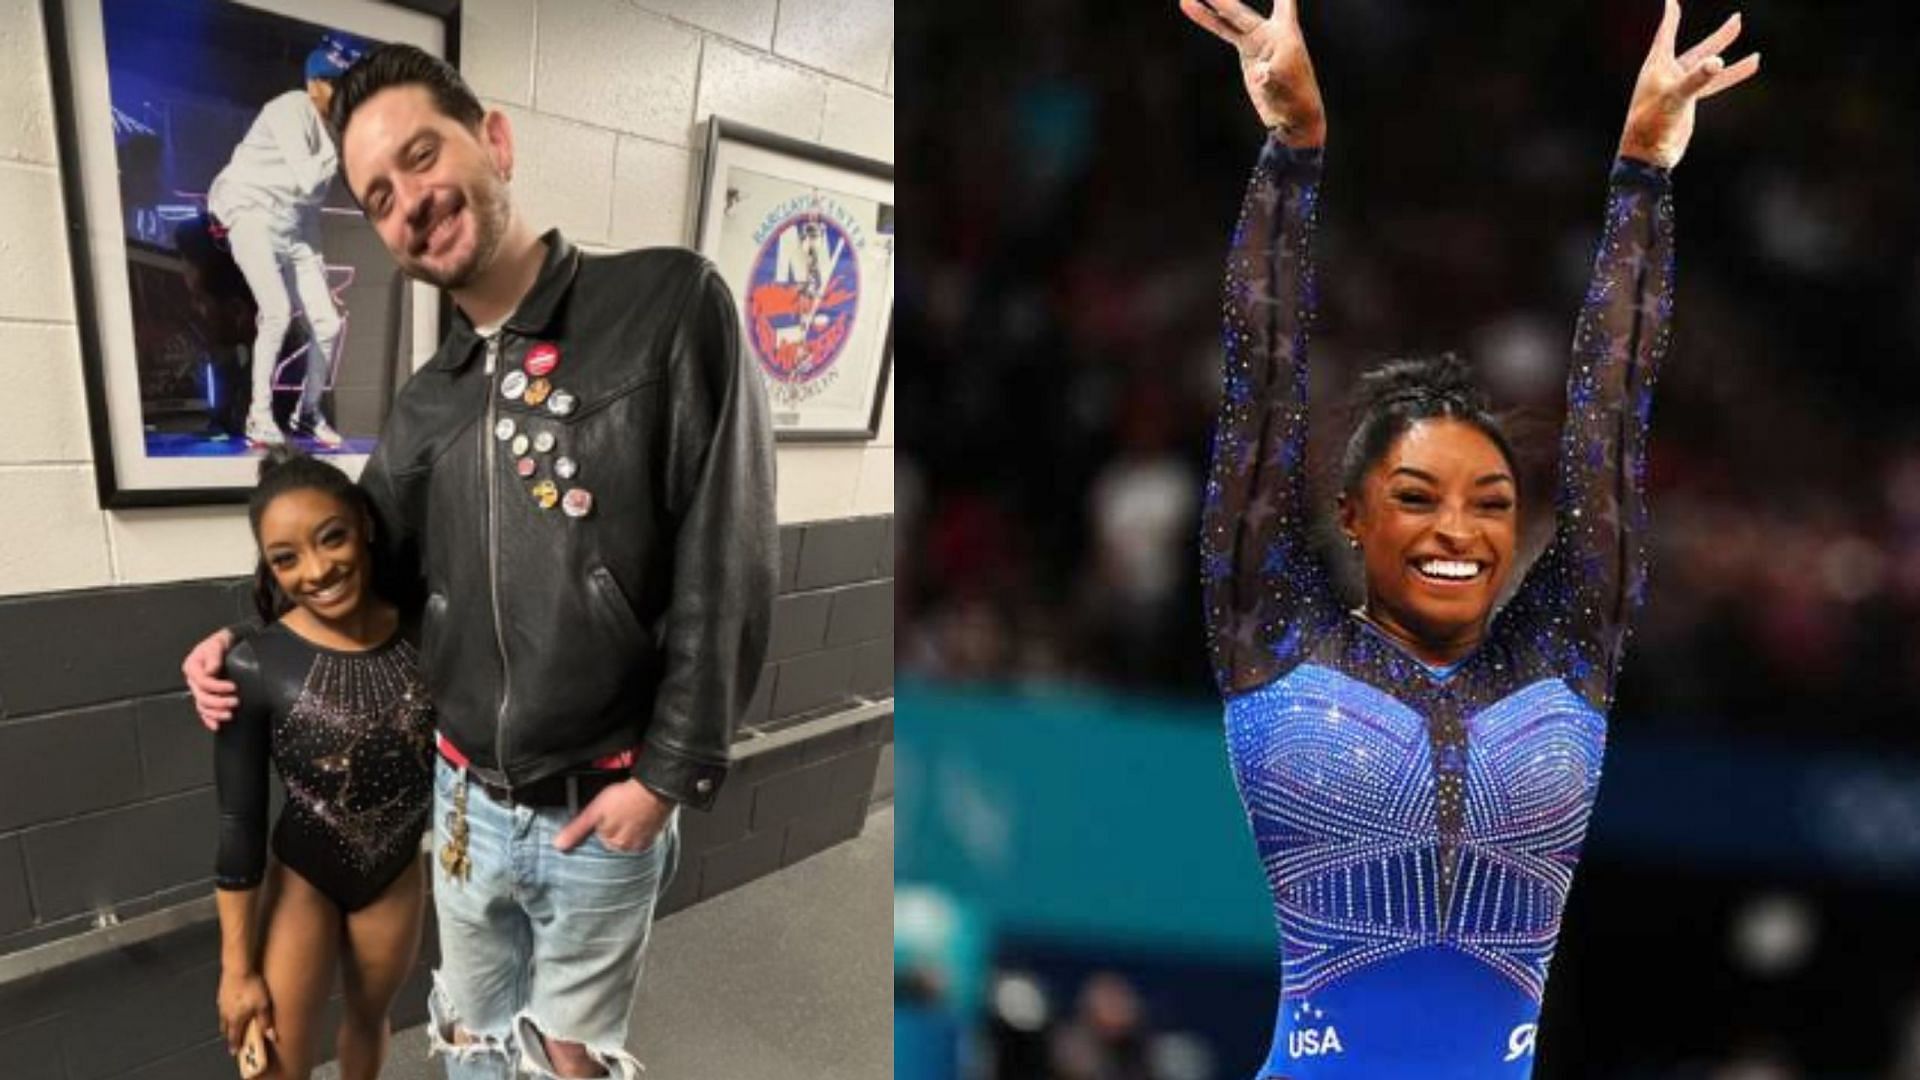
x: 572, y: 790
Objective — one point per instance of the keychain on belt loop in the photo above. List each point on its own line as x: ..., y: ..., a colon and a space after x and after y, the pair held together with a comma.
x: 453, y: 853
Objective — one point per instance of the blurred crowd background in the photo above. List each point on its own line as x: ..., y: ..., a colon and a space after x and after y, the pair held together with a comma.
x: 1074, y: 168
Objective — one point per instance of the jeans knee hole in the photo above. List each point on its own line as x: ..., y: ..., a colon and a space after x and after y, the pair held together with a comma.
x: 537, y: 1058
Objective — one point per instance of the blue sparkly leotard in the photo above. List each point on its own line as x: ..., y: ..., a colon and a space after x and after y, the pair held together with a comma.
x: 1420, y: 827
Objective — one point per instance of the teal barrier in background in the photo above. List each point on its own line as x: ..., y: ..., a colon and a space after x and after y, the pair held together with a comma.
x: 1089, y: 817
x: 1080, y: 817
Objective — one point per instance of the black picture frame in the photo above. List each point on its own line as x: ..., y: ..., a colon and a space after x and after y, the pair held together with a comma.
x: 801, y: 164
x: 116, y: 269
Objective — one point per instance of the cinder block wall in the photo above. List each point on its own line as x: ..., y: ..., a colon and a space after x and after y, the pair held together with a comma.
x: 808, y: 764
x: 106, y: 798
x: 608, y: 98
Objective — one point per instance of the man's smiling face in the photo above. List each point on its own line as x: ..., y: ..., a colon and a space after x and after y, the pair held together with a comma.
x: 434, y: 189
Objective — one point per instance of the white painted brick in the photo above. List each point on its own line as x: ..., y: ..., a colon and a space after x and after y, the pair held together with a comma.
x: 595, y: 61
x: 891, y: 55
x: 817, y: 483
x: 850, y: 38
x: 753, y: 89
x: 181, y: 543
x: 650, y: 189
x: 35, y: 282
x: 875, y: 492
x: 562, y: 175
x: 43, y: 414
x: 26, y: 93
x: 602, y: 62
x: 858, y: 120
x: 496, y: 49
x: 55, y: 539
x: 749, y: 21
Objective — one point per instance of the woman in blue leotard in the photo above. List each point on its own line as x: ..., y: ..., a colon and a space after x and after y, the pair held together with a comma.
x: 1418, y: 771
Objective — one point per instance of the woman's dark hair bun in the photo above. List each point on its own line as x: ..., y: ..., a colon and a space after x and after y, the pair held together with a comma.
x: 1444, y: 380
x: 1397, y: 394
x: 276, y: 458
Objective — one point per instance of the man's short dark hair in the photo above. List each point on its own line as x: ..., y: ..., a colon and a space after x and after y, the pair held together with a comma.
x: 404, y: 65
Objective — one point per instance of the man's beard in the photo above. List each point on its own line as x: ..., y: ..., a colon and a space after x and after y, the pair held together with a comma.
x: 489, y: 210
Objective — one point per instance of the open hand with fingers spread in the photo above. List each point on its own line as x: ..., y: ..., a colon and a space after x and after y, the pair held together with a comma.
x: 1660, y: 117
x: 1274, y: 62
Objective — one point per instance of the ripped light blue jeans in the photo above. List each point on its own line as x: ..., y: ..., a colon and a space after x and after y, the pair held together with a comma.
x: 538, y: 941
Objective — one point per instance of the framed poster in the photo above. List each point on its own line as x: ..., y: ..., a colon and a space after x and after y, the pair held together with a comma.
x: 229, y: 292
x: 803, y: 236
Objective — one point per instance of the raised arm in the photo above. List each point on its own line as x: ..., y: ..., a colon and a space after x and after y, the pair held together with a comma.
x: 1578, y: 596
x: 1265, y: 588
x: 1577, y: 599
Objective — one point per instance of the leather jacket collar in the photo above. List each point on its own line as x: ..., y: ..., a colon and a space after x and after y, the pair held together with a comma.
x: 536, y: 311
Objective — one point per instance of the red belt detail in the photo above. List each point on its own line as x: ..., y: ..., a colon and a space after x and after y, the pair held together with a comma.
x: 619, y: 759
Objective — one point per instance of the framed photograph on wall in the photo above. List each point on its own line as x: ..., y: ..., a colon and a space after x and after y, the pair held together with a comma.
x: 230, y: 294
x: 803, y: 236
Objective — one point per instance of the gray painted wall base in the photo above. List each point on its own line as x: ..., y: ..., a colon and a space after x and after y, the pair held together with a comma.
x: 137, y: 1000
x: 107, y: 805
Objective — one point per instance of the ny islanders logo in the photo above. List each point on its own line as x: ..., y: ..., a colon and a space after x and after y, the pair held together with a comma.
x: 803, y: 292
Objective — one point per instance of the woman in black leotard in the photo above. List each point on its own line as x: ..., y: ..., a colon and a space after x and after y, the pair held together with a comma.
x: 331, y: 692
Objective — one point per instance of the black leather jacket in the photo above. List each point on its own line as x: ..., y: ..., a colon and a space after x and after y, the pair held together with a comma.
x: 549, y: 639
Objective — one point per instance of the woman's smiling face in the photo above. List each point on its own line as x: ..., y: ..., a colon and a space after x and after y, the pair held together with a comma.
x: 1436, y: 519
x: 316, y: 547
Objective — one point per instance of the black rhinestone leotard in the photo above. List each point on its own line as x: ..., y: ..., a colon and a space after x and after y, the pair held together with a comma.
x: 351, y: 734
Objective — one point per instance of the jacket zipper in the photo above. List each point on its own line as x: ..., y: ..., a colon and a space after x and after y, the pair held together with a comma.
x: 493, y: 556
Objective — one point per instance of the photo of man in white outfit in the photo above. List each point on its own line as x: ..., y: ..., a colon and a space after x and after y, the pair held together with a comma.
x: 268, y: 198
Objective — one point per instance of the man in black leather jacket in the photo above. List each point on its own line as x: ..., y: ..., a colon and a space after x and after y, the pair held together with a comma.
x: 578, y: 491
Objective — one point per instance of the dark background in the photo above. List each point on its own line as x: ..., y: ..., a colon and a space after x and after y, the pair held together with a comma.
x: 1074, y: 169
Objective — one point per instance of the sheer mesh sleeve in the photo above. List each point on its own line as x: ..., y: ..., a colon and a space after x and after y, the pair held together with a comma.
x: 1266, y: 590
x: 1577, y: 598
x: 240, y: 755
